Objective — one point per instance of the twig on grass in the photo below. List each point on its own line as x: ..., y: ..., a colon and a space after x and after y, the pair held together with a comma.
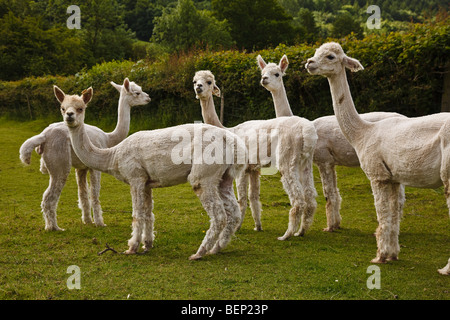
x: 108, y: 248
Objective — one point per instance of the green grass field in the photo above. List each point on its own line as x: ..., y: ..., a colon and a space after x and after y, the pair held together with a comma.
x: 320, y: 265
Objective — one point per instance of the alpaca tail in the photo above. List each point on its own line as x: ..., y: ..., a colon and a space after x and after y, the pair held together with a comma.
x: 36, y: 142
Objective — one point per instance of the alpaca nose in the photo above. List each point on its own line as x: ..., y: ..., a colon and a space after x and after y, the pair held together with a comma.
x: 265, y: 79
x: 69, y: 114
x: 199, y: 88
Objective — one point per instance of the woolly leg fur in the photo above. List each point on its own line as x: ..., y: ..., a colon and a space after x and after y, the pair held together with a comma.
x: 307, y: 180
x: 139, y: 197
x: 232, y: 211
x: 242, y: 189
x: 255, y: 204
x: 208, y: 191
x: 83, y: 195
x: 332, y: 196
x: 95, y: 184
x: 388, y: 206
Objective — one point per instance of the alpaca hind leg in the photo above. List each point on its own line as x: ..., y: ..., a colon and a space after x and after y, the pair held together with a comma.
x: 242, y: 189
x: 255, y: 204
x: 138, y: 197
x: 83, y: 195
x: 209, y: 196
x: 232, y: 211
x: 95, y: 179
x: 386, y: 197
x: 332, y: 196
x: 294, y: 189
x: 310, y: 194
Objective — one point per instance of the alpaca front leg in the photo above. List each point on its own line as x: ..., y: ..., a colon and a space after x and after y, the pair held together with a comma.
x: 387, y: 206
x: 50, y: 200
x: 83, y: 195
x: 148, y: 235
x: 332, y: 196
x: 138, y: 199
x: 95, y: 178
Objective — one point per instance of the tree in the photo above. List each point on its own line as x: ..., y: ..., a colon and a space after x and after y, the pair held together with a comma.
x: 40, y: 52
x: 184, y: 27
x: 346, y: 24
x: 255, y: 24
x: 308, y: 29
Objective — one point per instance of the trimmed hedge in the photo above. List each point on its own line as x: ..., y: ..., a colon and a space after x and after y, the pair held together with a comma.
x: 403, y: 72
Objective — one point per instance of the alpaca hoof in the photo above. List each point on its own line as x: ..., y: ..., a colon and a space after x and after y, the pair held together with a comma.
x: 299, y: 234
x: 214, y: 250
x: 258, y: 228
x: 195, y: 257
x: 393, y: 258
x: 283, y: 238
x: 100, y: 224
x: 129, y: 252
x: 56, y: 228
x: 378, y: 260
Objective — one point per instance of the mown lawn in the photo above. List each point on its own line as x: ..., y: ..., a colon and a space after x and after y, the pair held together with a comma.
x: 320, y: 265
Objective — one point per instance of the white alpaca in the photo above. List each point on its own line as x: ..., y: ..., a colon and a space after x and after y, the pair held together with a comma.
x: 290, y: 153
x: 394, y: 151
x: 150, y: 159
x: 332, y: 148
x: 53, y: 144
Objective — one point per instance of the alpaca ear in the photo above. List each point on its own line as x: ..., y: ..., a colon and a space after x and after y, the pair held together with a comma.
x: 284, y: 63
x: 261, y: 63
x: 59, y: 94
x: 117, y: 86
x: 352, y: 64
x: 126, y: 84
x: 216, y: 91
x: 87, y: 94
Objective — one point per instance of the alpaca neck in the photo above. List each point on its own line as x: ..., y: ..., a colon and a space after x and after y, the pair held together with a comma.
x: 348, y: 118
x: 123, y: 122
x: 209, y: 112
x: 93, y: 157
x: 281, y: 103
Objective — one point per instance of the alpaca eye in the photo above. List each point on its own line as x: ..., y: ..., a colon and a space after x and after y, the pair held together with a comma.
x: 195, y: 82
x: 62, y: 109
x: 138, y: 93
x: 277, y: 75
x: 80, y: 110
x: 330, y: 57
x: 209, y: 82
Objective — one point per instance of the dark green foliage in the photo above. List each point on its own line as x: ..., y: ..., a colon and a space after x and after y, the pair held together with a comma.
x: 185, y: 27
x: 255, y: 24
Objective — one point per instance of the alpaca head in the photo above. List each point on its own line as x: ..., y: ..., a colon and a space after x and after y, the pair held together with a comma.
x: 73, y: 106
x: 272, y: 74
x: 330, y: 60
x: 205, y: 85
x: 132, y: 93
